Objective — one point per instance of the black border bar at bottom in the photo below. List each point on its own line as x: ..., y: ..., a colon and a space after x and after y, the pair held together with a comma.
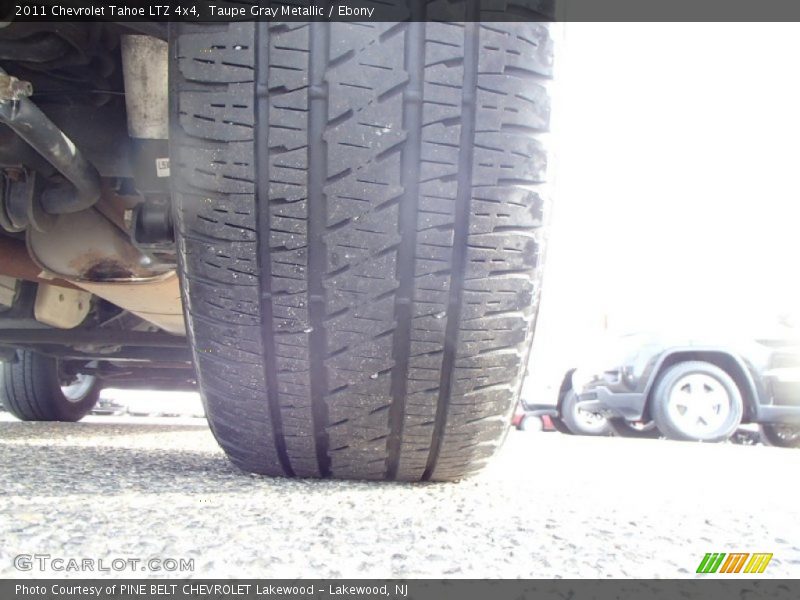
x: 396, y: 589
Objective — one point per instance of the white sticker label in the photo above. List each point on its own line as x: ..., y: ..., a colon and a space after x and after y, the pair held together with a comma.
x: 162, y: 167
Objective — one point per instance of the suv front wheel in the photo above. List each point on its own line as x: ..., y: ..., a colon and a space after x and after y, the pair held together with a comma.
x: 697, y: 401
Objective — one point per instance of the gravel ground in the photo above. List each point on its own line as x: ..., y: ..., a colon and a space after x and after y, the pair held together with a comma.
x: 549, y: 506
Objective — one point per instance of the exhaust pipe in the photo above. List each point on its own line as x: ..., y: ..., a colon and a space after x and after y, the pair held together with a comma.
x: 32, y: 125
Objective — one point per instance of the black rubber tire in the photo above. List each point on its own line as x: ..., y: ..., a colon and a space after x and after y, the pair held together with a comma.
x: 359, y: 214
x: 32, y: 391
x: 569, y: 417
x: 781, y: 436
x: 623, y: 428
x: 671, y: 376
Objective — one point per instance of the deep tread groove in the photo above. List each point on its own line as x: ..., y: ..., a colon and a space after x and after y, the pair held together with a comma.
x: 404, y: 296
x: 319, y: 39
x: 262, y: 159
x: 460, y: 240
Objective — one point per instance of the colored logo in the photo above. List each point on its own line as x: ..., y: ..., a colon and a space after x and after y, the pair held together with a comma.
x: 735, y: 562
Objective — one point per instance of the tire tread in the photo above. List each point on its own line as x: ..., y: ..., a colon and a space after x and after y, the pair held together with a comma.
x: 360, y: 237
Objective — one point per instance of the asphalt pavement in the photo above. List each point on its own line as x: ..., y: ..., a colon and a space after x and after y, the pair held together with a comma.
x: 550, y: 505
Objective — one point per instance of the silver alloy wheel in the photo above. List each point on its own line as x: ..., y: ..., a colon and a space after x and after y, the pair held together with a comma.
x: 79, y: 387
x: 591, y: 421
x: 699, y: 405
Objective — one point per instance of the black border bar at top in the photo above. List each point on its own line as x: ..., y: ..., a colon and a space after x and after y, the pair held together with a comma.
x: 397, y: 10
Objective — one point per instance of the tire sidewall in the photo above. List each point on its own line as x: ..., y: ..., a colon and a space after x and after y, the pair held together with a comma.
x: 664, y: 386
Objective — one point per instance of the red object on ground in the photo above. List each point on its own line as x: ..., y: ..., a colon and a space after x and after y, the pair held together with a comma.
x: 516, y: 418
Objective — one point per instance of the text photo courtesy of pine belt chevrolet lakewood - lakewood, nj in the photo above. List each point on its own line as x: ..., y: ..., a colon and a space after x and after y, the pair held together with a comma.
x: 216, y: 590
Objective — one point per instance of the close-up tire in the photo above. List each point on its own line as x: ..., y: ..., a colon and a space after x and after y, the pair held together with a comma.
x: 34, y: 388
x: 580, y: 422
x: 359, y: 214
x: 782, y: 436
x: 696, y: 401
